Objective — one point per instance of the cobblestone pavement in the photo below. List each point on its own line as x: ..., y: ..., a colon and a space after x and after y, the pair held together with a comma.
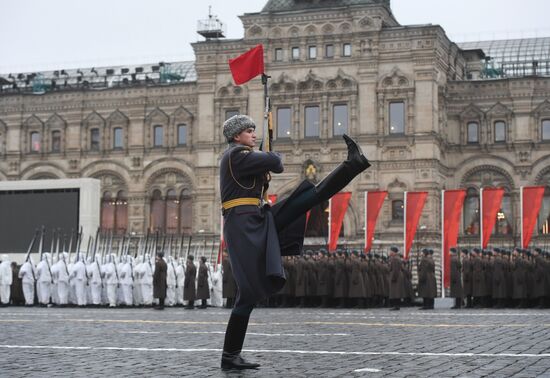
x: 47, y: 342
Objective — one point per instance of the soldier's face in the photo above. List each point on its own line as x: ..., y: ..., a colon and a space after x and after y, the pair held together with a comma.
x: 247, y: 137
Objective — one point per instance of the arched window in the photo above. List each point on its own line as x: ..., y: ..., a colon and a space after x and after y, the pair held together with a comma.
x: 114, y: 212
x: 544, y: 214
x: 503, y: 225
x: 471, y: 212
x: 107, y: 212
x: 397, y: 210
x: 158, y: 211
x: 121, y: 212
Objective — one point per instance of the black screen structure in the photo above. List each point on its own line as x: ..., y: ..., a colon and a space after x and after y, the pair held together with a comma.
x: 24, y: 211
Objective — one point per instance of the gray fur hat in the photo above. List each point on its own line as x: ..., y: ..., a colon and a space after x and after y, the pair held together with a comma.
x: 235, y: 125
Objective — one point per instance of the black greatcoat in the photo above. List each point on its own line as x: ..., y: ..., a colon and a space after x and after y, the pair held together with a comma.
x: 249, y: 231
x: 159, y: 279
x: 456, y: 281
x: 203, y: 290
x: 189, y: 289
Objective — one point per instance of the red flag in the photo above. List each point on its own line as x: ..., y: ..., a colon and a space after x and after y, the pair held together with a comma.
x: 373, y: 204
x: 453, y: 200
x: 414, y: 203
x: 247, y: 66
x: 338, y: 207
x: 491, y: 199
x: 531, y: 199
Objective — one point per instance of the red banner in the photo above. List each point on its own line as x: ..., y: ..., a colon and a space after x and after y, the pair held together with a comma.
x: 453, y: 200
x: 531, y: 201
x: 338, y: 207
x: 247, y: 66
x: 414, y: 203
x: 373, y: 204
x: 491, y: 199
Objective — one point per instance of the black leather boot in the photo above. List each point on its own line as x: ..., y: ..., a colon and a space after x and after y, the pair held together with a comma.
x: 344, y: 173
x: 286, y: 212
x: 233, y: 343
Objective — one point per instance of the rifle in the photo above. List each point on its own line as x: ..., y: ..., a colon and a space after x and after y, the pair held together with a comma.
x: 41, y: 252
x: 71, y: 243
x: 31, y: 246
x: 52, y: 245
x: 212, y: 249
x: 188, y: 246
x: 267, y: 137
x: 78, y: 242
x: 171, y: 259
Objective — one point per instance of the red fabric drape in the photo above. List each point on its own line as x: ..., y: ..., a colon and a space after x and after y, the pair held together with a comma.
x: 532, y: 200
x: 414, y: 203
x: 247, y: 66
x: 492, y: 198
x: 373, y: 204
x: 453, y: 200
x: 272, y: 198
x: 338, y: 207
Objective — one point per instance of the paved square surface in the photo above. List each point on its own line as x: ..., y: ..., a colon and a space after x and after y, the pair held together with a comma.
x: 46, y: 342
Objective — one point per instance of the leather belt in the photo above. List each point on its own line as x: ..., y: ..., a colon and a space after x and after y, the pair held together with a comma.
x: 240, y: 202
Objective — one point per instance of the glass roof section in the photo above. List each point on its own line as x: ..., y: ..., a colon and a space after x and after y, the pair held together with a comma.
x: 515, y: 57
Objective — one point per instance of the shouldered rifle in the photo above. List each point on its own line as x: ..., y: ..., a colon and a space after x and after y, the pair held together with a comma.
x: 267, y: 137
x: 188, y: 246
x: 31, y: 245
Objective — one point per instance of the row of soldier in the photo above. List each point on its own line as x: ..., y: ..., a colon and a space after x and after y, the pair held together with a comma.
x: 100, y: 277
x: 500, y: 278
x: 353, y: 279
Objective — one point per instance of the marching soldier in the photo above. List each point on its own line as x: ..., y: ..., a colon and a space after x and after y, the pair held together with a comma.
x: 467, y: 276
x: 356, y: 283
x: 159, y: 280
x: 488, y: 268
x: 189, y: 290
x: 28, y: 278
x: 499, y: 279
x: 426, y: 282
x: 256, y: 236
x: 6, y: 279
x: 479, y: 290
x: 322, y: 278
x: 520, y: 279
x: 340, y: 280
x: 407, y: 282
x: 203, y: 289
x: 396, y: 286
x: 456, y: 281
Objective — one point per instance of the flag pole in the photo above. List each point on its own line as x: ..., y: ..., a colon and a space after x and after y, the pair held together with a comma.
x: 366, y: 223
x: 405, y: 226
x: 329, y: 223
x: 481, y: 217
x: 443, y: 244
x: 521, y: 216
